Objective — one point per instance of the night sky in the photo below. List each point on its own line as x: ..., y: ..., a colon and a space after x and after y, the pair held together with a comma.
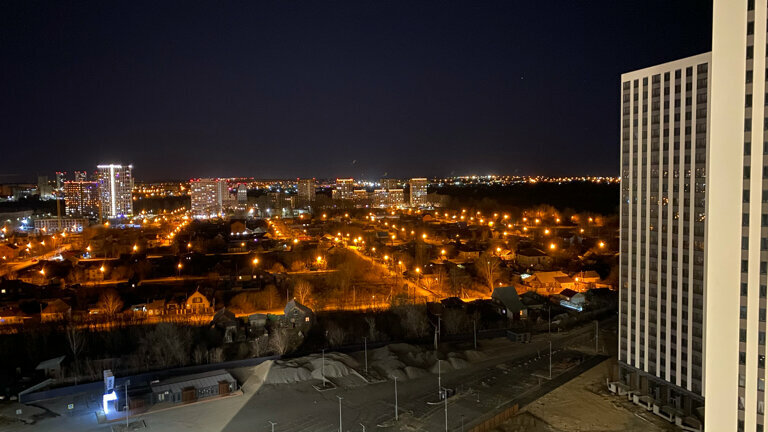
x: 349, y: 88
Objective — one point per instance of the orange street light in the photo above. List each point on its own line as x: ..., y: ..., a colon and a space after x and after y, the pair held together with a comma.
x: 601, y: 244
x: 552, y: 246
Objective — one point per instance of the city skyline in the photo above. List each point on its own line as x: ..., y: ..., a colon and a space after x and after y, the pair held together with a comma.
x: 355, y: 103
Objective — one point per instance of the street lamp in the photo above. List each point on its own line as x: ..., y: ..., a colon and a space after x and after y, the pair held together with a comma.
x: 178, y: 266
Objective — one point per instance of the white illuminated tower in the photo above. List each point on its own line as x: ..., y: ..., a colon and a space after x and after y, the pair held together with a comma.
x: 115, y: 187
x: 737, y: 234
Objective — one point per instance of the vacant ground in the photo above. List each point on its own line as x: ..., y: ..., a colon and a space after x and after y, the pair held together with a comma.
x: 585, y: 405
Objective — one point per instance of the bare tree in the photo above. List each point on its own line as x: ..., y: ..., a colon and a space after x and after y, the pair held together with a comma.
x: 335, y: 334
x: 455, y: 321
x: 279, y: 341
x: 302, y: 289
x: 373, y: 334
x: 76, y: 344
x: 110, y: 302
x: 414, y: 320
x: 487, y: 267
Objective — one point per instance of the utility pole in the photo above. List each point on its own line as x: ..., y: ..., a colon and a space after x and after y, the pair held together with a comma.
x: 474, y: 331
x: 127, y: 382
x: 273, y: 425
x: 363, y: 426
x: 597, y: 333
x: 365, y: 344
x: 550, y: 360
x: 340, y: 398
x: 445, y: 397
x: 439, y: 384
x: 395, y: 396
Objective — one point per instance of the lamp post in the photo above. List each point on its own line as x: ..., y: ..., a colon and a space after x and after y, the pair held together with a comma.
x: 323, y: 370
x: 395, y: 396
x: 365, y: 345
x: 253, y: 268
x: 340, y: 428
x: 272, y: 424
x: 445, y: 404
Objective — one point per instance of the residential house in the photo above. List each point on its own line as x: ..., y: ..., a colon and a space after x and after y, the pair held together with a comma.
x: 508, y: 302
x: 572, y: 299
x: 548, y: 283
x: 56, y: 310
x: 156, y: 307
x: 51, y: 367
x: 12, y: 315
x: 532, y: 257
x: 225, y: 321
x: 197, y: 303
x: 298, y: 315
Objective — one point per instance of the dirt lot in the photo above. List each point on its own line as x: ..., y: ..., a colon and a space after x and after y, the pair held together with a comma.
x: 585, y: 405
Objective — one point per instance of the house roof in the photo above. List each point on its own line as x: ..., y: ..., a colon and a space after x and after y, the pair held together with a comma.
x: 56, y: 306
x: 563, y: 279
x: 531, y: 252
x: 293, y: 304
x: 568, y: 293
x: 549, y: 277
x: 205, y: 379
x: 591, y: 274
x: 507, y: 295
x: 53, y: 363
x: 156, y: 304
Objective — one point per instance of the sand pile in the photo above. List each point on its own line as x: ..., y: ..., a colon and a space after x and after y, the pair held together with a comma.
x: 474, y: 356
x: 387, y: 363
x: 285, y: 372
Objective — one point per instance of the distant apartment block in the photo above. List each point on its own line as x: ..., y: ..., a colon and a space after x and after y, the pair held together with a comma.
x: 115, y: 187
x: 208, y: 197
x: 418, y: 192
x: 306, y: 191
x: 53, y: 225
x: 388, y: 198
x: 344, y: 189
x: 81, y: 198
x: 390, y: 183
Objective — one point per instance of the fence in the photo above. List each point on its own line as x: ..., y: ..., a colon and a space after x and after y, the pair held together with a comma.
x: 496, y: 420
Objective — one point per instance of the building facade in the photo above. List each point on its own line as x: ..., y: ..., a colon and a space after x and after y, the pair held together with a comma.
x: 344, y: 189
x: 418, y: 192
x: 115, y: 187
x: 737, y: 234
x: 306, y: 191
x: 664, y: 143
x: 81, y: 198
x: 388, y: 198
x: 208, y: 197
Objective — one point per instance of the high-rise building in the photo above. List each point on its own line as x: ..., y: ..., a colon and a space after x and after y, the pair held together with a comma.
x: 44, y: 188
x: 242, y: 194
x: 344, y: 189
x: 737, y: 218
x: 81, y: 198
x: 61, y: 177
x: 388, y: 198
x: 664, y: 119
x: 306, y: 191
x: 418, y: 192
x: 115, y: 187
x: 80, y: 176
x: 390, y: 183
x: 208, y: 197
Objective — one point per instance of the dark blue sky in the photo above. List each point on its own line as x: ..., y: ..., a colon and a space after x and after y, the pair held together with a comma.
x: 349, y: 88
